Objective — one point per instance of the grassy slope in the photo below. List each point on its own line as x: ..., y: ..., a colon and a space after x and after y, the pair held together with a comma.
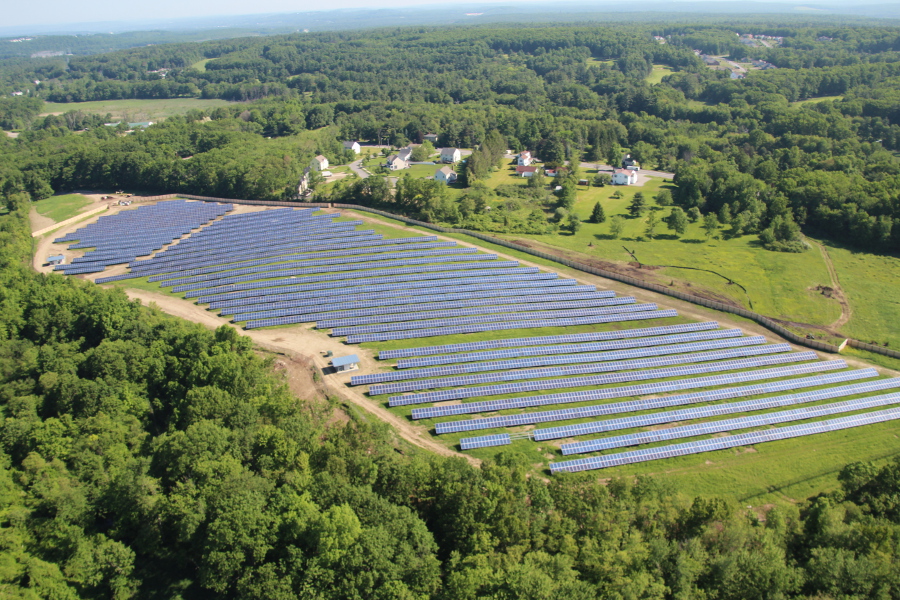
x: 778, y: 283
x: 60, y: 208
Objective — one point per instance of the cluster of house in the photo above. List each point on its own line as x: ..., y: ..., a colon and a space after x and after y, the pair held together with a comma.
x: 403, y: 158
x: 627, y: 175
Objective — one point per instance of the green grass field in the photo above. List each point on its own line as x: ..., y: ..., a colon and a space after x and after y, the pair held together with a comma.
x: 200, y: 65
x: 779, y: 284
x: 657, y: 74
x: 817, y: 99
x: 60, y: 208
x: 870, y: 282
x: 136, y: 110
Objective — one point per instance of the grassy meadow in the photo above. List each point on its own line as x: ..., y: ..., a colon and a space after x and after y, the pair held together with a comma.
x: 60, y: 208
x: 135, y: 110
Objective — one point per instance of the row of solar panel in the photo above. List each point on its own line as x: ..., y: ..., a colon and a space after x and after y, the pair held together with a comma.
x: 366, y: 243
x: 591, y: 380
x: 526, y: 275
x: 723, y: 443
x: 168, y: 211
x: 541, y: 340
x: 214, y: 240
x: 592, y: 367
x: 404, y: 294
x: 269, y: 236
x: 212, y: 265
x: 295, y: 239
x: 501, y: 304
x: 530, y: 324
x: 335, y: 232
x: 586, y: 312
x: 459, y: 360
x: 239, y: 268
x: 222, y: 284
x: 335, y: 283
x: 331, y: 266
x: 175, y: 262
x: 689, y: 342
x: 123, y: 222
x: 164, y: 262
x: 767, y: 419
x: 636, y: 390
x: 384, y: 311
x: 598, y: 410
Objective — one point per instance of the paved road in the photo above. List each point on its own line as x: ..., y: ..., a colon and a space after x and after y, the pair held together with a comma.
x: 357, y: 168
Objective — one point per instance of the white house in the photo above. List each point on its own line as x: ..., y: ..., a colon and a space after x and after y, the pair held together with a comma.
x: 319, y: 163
x: 523, y: 171
x: 352, y: 146
x: 445, y: 174
x: 450, y: 155
x: 525, y: 159
x: 405, y: 153
x: 624, y: 177
x: 395, y: 163
x: 431, y: 137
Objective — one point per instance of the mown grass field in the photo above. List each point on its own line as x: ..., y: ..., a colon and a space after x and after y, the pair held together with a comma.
x: 60, y: 208
x: 136, y: 110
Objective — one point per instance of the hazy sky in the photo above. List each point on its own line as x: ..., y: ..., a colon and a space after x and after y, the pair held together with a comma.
x: 83, y: 11
x: 17, y: 13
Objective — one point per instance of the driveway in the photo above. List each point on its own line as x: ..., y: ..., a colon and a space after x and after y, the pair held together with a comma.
x: 356, y: 167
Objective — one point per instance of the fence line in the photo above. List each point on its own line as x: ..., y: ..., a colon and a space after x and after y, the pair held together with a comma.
x: 763, y: 320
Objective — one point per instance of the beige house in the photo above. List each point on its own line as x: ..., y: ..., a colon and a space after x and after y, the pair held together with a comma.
x: 319, y: 163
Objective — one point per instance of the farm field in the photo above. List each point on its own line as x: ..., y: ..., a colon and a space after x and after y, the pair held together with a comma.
x: 765, y: 473
x: 136, y: 110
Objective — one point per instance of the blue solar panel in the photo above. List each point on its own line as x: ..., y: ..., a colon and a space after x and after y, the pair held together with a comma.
x: 329, y: 266
x: 540, y: 360
x: 541, y: 340
x: 591, y: 380
x: 220, y: 284
x: 538, y: 323
x: 722, y: 443
x: 341, y: 280
x: 633, y: 390
x: 762, y: 420
x: 515, y: 316
x: 597, y: 410
x: 591, y: 367
x: 406, y: 294
x: 485, y: 441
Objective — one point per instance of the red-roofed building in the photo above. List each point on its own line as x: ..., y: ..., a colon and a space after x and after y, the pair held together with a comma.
x: 523, y: 171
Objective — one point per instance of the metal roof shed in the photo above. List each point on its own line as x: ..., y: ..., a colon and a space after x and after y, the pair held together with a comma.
x: 56, y: 259
x: 345, y: 363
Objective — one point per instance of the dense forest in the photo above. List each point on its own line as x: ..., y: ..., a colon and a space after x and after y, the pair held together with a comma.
x: 146, y: 457
x: 739, y: 148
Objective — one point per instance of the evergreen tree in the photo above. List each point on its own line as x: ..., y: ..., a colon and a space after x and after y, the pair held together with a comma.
x: 638, y: 205
x: 598, y: 215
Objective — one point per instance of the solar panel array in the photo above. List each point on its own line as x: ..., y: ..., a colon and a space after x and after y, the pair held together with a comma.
x: 602, y: 367
x: 799, y: 414
x: 599, y: 410
x: 625, y: 391
x: 287, y: 266
x: 722, y: 443
x: 122, y: 237
x: 592, y: 380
